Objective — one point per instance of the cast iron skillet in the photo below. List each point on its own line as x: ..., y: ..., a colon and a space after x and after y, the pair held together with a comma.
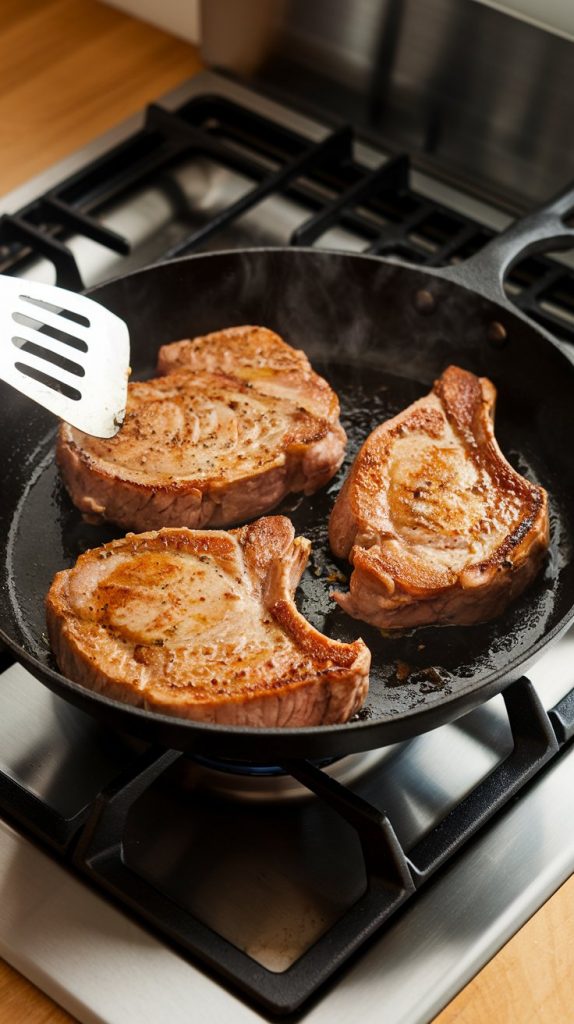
x: 381, y: 332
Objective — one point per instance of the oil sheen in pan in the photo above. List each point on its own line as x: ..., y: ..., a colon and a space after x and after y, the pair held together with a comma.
x: 426, y: 665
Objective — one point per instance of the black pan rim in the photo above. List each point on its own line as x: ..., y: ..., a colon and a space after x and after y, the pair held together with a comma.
x: 437, y: 272
x: 490, y: 685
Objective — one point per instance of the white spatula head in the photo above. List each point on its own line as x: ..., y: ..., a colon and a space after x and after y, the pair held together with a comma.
x: 65, y: 352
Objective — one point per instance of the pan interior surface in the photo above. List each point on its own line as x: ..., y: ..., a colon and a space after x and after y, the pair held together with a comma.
x: 425, y: 666
x: 431, y: 667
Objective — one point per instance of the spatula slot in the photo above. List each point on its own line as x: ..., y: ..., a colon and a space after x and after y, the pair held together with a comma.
x: 51, y: 357
x: 50, y: 382
x: 69, y: 314
x: 52, y: 332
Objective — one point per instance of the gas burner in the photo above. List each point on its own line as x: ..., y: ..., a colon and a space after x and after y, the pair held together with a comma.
x: 272, y: 783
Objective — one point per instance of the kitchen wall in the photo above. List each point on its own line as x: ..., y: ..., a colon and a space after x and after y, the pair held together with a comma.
x: 181, y: 17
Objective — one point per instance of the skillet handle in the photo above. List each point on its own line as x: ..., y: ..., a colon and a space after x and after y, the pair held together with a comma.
x: 544, y: 230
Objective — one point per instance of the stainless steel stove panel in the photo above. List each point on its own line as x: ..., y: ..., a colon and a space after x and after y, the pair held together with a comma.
x: 102, y: 967
x: 53, y: 751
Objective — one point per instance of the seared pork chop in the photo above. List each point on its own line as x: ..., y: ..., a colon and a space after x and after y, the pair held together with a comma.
x: 202, y: 624
x: 217, y: 443
x: 438, y: 526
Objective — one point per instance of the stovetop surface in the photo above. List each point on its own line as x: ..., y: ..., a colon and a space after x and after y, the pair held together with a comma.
x: 103, y: 966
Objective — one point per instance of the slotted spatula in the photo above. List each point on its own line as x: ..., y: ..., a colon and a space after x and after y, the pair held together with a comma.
x: 65, y: 352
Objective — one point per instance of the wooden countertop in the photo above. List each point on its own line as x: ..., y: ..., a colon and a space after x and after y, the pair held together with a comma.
x: 69, y: 70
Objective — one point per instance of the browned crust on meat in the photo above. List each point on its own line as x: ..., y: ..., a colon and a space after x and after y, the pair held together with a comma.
x: 247, y: 347
x: 377, y: 523
x: 259, y: 358
x: 200, y: 447
x: 124, y: 622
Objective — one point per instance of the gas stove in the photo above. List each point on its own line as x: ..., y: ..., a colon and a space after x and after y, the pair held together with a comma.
x: 207, y: 891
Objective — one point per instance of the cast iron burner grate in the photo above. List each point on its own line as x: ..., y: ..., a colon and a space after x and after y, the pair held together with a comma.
x: 379, y: 206
x: 97, y: 837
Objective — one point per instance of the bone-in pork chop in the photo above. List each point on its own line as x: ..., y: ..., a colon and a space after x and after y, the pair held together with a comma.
x: 438, y: 526
x: 202, y: 624
x: 219, y: 442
